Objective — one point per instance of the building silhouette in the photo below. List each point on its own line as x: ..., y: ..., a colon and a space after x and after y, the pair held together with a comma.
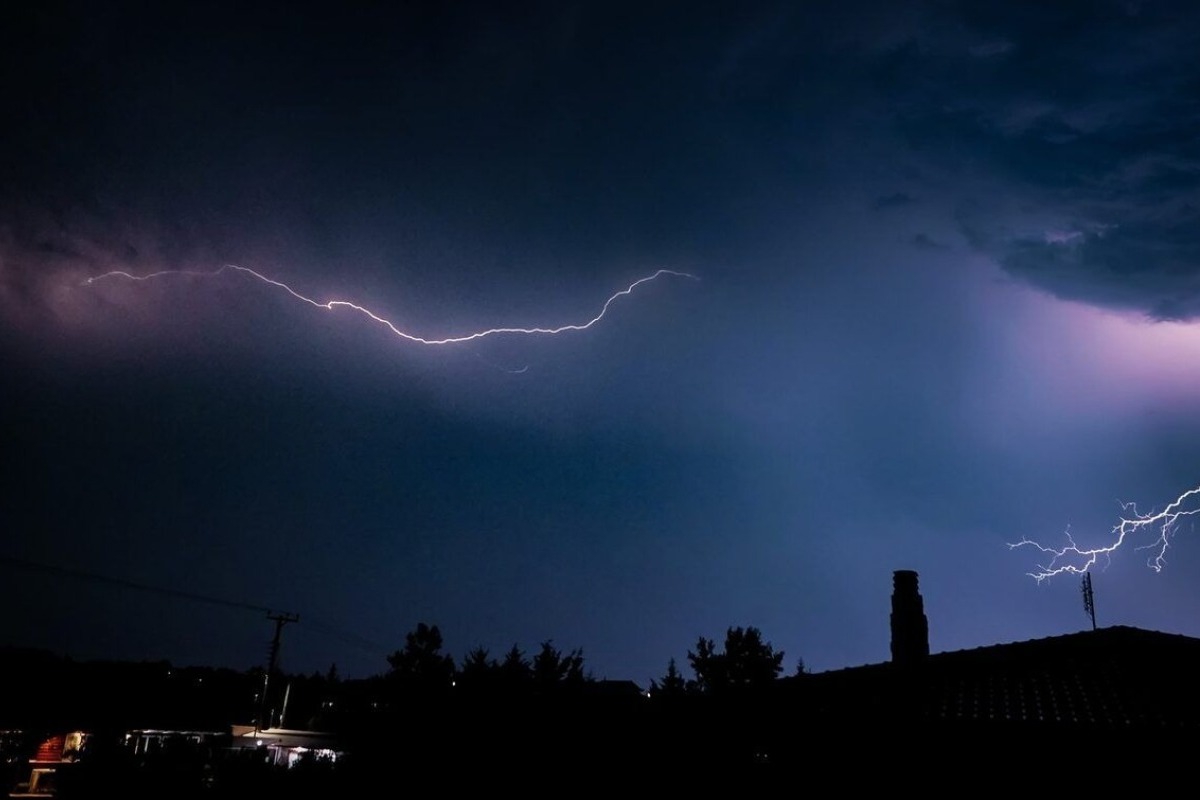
x: 1088, y: 685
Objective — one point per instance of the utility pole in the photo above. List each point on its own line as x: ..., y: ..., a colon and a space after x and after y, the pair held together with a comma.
x: 283, y: 710
x: 280, y: 620
x: 1089, y: 600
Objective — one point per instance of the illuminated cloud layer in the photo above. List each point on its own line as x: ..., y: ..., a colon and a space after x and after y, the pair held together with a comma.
x: 1082, y: 115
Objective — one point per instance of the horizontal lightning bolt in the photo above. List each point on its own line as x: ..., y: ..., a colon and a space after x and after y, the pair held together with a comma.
x: 331, y: 305
x: 1075, y: 559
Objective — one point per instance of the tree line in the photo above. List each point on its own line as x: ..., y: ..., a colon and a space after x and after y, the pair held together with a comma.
x: 744, y: 660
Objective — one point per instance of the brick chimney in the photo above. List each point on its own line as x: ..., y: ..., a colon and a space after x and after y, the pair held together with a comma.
x: 910, y: 628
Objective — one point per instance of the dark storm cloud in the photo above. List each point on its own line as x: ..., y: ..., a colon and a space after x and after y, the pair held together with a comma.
x: 892, y: 201
x: 47, y: 256
x: 925, y: 242
x: 39, y: 260
x: 565, y: 125
x: 1080, y: 120
x: 1152, y: 266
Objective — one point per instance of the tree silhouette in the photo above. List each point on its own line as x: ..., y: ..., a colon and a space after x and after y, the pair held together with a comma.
x: 745, y: 662
x: 479, y: 671
x: 422, y: 663
x: 551, y: 667
x: 673, y: 684
x: 477, y: 663
x: 515, y: 670
x: 708, y: 664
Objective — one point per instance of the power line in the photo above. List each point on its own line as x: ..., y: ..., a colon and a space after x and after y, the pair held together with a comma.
x: 95, y: 577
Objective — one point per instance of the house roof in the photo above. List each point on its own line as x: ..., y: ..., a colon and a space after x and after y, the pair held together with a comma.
x: 1117, y: 678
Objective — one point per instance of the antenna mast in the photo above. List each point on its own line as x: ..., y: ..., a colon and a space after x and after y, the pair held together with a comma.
x: 1089, y: 599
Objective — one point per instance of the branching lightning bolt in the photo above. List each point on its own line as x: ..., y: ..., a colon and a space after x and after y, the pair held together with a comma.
x: 331, y: 305
x: 1077, y: 560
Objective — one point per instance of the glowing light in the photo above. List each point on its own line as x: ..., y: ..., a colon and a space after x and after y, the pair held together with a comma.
x: 332, y: 305
x: 1075, y: 559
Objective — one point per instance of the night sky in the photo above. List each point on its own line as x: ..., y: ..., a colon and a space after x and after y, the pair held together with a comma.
x: 949, y: 291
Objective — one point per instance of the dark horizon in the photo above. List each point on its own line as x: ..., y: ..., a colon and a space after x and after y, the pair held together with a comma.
x: 914, y: 633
